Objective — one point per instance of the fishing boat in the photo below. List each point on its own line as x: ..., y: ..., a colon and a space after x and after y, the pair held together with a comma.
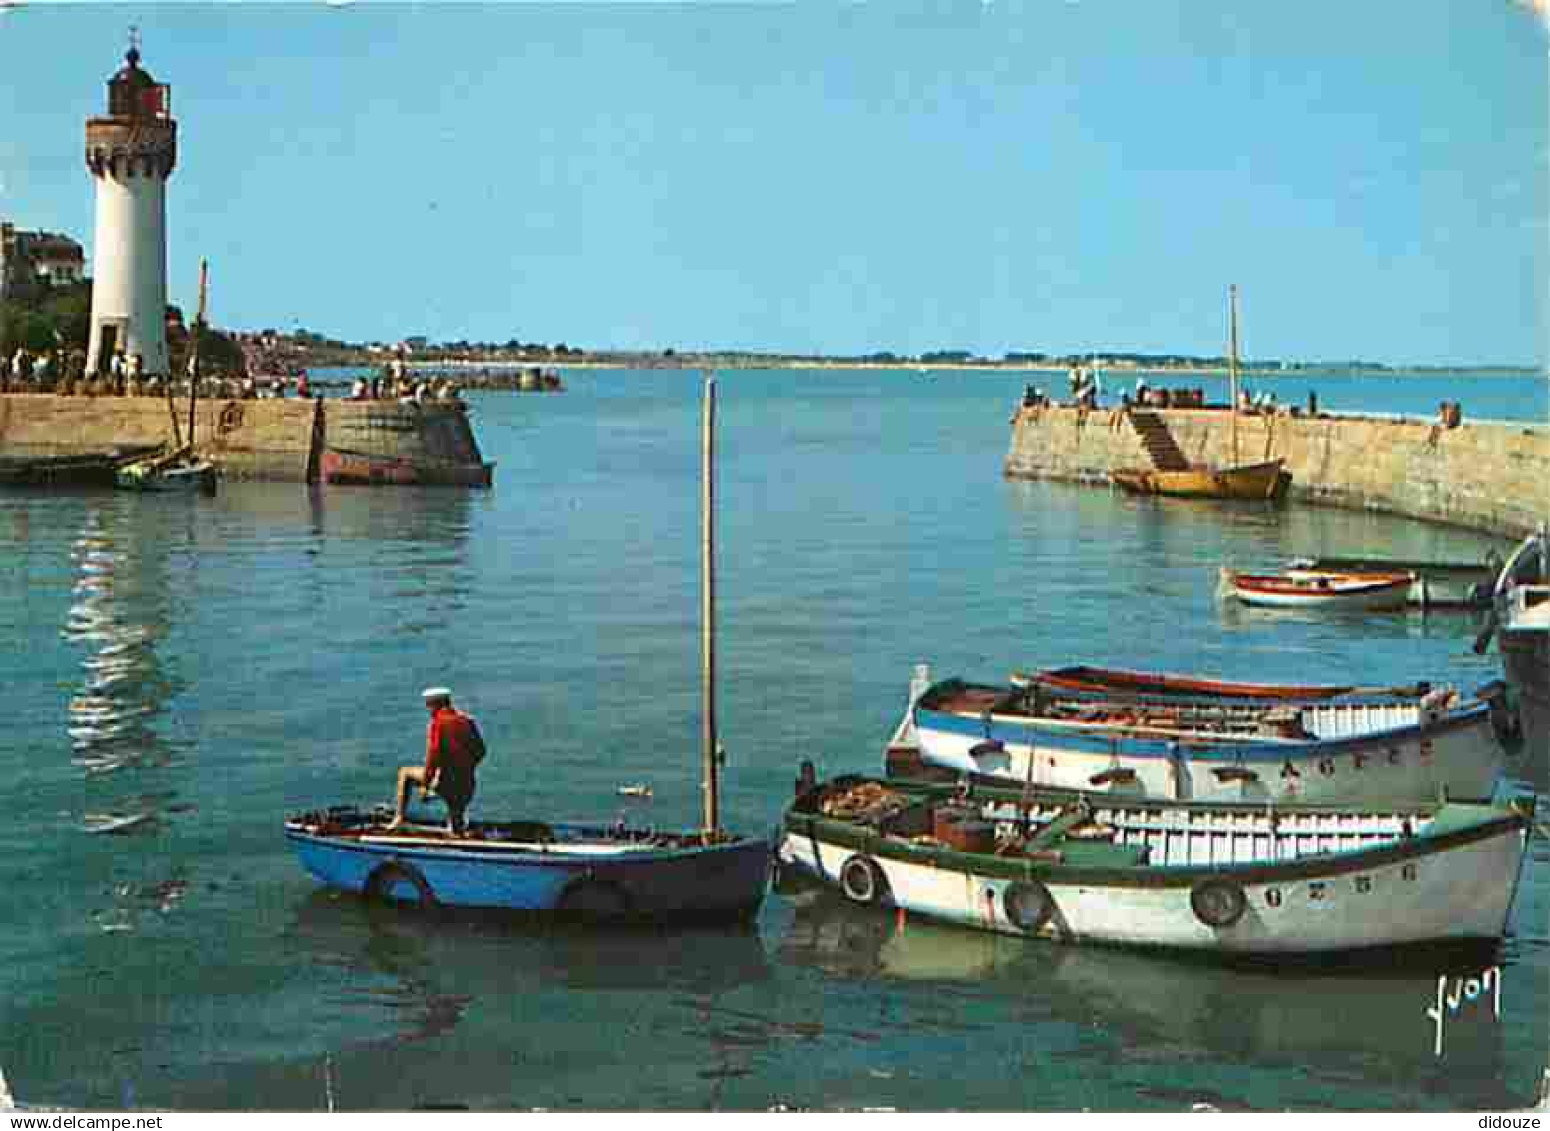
x: 1357, y: 750
x: 1265, y: 480
x: 178, y: 470
x: 594, y: 871
x: 1083, y: 679
x: 1433, y: 584
x: 1520, y: 621
x: 1307, y: 589
x: 605, y: 872
x: 1245, y: 879
x: 366, y: 469
x: 181, y: 468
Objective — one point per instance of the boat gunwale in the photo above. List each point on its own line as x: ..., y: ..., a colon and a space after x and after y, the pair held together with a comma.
x: 518, y: 854
x: 1241, y: 747
x: 1169, y: 685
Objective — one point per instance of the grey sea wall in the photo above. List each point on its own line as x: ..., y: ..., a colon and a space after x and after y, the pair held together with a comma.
x: 1487, y: 476
x: 279, y: 440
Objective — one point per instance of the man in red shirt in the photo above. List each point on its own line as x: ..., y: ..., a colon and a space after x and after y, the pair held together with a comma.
x: 453, y: 748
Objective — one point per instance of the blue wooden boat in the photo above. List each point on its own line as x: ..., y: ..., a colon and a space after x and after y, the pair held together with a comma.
x: 605, y: 872
x: 589, y: 871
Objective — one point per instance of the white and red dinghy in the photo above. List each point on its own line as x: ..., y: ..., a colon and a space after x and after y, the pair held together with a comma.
x: 1309, y: 589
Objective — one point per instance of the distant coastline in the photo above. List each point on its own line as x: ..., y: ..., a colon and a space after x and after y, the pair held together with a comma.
x: 716, y: 361
x: 270, y: 351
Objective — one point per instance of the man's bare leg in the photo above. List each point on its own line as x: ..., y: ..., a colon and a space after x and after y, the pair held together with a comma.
x: 408, y: 778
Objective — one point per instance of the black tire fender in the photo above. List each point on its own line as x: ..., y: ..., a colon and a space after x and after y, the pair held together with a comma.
x: 1218, y: 903
x: 395, y: 873
x: 588, y: 897
x: 1027, y: 904
x: 862, y: 881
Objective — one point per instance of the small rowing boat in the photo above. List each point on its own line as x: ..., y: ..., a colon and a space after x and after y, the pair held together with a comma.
x: 1367, y: 750
x: 590, y: 871
x: 1232, y: 879
x: 1308, y: 589
x: 604, y: 872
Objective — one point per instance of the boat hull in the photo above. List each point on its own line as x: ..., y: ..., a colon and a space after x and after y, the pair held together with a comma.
x: 1526, y: 662
x: 366, y: 470
x: 196, y: 478
x: 81, y: 469
x: 1454, y: 885
x: 1250, y: 481
x: 1521, y: 610
x: 1457, y: 755
x: 618, y: 878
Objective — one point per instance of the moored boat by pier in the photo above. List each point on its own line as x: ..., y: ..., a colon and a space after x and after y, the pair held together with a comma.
x: 179, y: 470
x: 1173, y: 475
x: 69, y: 469
x: 1263, y: 481
x: 1310, y: 589
x: 1357, y: 750
x: 1232, y: 879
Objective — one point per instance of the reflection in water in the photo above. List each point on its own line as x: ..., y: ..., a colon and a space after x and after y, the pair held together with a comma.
x: 1166, y: 1008
x: 421, y: 533
x: 120, y: 612
x: 425, y: 971
x: 1413, y: 623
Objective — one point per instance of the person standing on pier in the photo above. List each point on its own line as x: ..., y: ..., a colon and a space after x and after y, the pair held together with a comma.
x: 453, y: 750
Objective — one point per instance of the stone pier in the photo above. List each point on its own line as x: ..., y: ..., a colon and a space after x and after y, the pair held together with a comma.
x: 1487, y: 476
x: 279, y: 440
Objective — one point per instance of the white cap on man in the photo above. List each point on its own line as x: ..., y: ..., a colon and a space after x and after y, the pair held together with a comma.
x: 436, y: 695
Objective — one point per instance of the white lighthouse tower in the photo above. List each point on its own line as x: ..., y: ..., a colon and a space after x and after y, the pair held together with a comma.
x: 131, y: 152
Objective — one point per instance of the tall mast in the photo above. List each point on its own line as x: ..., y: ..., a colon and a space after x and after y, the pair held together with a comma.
x: 193, y: 354
x: 1232, y: 361
x: 712, y: 785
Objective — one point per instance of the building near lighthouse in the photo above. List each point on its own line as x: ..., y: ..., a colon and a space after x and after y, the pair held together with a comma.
x: 131, y: 152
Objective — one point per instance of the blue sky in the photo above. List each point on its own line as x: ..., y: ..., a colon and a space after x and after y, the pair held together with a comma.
x: 833, y: 177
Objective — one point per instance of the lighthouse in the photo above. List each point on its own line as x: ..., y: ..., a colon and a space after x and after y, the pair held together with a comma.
x: 130, y: 152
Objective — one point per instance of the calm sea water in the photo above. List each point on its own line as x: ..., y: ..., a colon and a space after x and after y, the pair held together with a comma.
x: 223, y: 662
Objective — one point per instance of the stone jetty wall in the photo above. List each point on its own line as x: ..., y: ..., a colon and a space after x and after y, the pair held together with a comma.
x: 251, y: 439
x: 1493, y: 477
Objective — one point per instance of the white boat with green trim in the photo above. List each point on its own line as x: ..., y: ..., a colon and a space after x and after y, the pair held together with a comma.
x: 1231, y: 878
